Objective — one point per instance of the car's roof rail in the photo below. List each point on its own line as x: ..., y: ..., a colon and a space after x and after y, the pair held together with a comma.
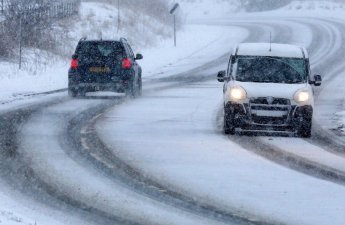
x: 304, y: 52
x: 83, y: 39
x: 237, y: 49
x: 123, y: 40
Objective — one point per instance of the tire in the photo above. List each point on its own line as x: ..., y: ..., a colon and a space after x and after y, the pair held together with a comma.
x: 304, y: 130
x: 140, y: 88
x: 130, y: 91
x: 229, y: 127
x: 72, y: 93
x: 82, y: 93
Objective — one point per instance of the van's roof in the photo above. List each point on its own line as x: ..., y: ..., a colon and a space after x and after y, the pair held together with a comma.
x: 277, y: 50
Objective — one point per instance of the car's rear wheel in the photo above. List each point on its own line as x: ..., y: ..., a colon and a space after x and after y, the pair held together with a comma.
x: 72, y: 93
x: 140, y: 88
x: 229, y: 127
x: 130, y: 91
x: 134, y: 90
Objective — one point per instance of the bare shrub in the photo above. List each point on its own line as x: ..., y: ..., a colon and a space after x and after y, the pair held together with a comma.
x: 31, y: 23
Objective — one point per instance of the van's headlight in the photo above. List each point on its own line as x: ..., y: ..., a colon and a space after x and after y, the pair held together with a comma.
x: 302, y: 96
x: 237, y: 93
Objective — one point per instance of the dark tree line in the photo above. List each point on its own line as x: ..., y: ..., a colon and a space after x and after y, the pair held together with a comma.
x: 30, y: 23
x: 262, y: 5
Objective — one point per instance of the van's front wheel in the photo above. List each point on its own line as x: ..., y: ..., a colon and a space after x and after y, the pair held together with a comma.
x: 304, y: 129
x: 229, y: 127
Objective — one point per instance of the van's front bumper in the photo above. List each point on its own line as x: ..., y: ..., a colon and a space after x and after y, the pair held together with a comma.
x: 268, y: 117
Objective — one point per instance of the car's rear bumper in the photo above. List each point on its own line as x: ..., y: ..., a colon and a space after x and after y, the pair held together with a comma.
x: 89, y: 87
x: 83, y: 83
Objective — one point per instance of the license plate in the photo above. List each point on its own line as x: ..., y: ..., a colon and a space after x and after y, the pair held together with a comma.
x: 269, y: 113
x: 99, y: 69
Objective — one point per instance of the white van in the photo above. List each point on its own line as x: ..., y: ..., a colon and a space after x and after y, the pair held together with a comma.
x: 268, y: 88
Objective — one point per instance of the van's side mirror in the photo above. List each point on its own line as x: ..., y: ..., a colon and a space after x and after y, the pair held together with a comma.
x: 221, y: 76
x: 74, y: 56
x: 317, y: 80
x: 139, y: 56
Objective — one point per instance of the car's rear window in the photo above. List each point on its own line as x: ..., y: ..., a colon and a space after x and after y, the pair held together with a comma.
x: 100, y: 50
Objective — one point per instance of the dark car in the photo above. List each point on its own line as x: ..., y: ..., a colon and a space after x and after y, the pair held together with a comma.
x: 104, y: 65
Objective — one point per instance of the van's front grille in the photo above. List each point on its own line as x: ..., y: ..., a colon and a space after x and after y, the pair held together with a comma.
x: 270, y: 101
x: 270, y: 111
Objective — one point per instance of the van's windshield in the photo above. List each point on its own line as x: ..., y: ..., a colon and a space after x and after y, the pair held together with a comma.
x: 265, y: 69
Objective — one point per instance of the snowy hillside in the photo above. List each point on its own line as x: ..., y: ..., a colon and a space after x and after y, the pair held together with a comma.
x: 315, y: 5
x: 100, y: 20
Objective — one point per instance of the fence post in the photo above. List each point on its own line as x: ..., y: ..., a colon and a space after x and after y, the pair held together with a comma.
x: 118, y: 16
x: 20, y: 41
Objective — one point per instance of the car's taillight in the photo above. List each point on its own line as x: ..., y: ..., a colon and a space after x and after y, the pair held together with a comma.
x: 74, y: 63
x: 126, y: 63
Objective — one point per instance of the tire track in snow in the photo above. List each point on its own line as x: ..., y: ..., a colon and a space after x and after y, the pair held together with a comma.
x: 17, y: 172
x: 92, y: 148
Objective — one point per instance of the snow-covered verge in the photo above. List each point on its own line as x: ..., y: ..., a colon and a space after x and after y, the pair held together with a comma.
x: 36, y: 77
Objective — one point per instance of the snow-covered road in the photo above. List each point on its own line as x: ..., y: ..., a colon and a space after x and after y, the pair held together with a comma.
x: 162, y: 159
x: 173, y: 136
x: 180, y: 146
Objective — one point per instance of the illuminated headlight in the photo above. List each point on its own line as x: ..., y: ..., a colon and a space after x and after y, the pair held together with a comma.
x: 237, y: 93
x: 302, y: 96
